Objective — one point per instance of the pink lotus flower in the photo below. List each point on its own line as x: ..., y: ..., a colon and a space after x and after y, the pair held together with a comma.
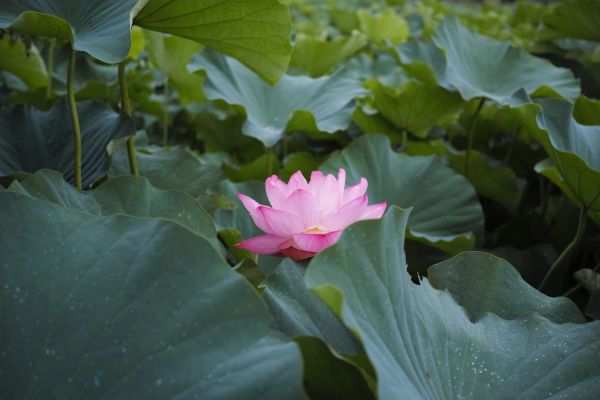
x: 305, y: 218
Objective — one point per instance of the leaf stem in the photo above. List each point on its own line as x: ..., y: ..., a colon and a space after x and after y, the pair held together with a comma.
x: 126, y: 106
x: 570, y: 247
x: 269, y: 162
x: 165, y: 133
x: 50, y: 69
x: 471, y: 135
x: 74, y: 116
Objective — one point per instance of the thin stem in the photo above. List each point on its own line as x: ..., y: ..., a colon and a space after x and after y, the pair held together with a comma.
x: 545, y: 191
x: 471, y: 134
x: 572, y: 290
x: 74, y: 117
x: 126, y: 106
x: 165, y: 136
x: 570, y: 247
x: 269, y: 162
x: 50, y: 68
x: 284, y: 146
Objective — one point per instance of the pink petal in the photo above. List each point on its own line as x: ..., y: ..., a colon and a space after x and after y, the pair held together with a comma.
x: 341, y: 180
x: 297, y: 254
x: 264, y: 244
x: 375, y: 211
x: 348, y: 214
x: 304, y: 205
x: 250, y: 204
x: 276, y: 191
x: 297, y: 181
x: 315, y: 242
x: 355, y: 191
x: 328, y: 196
x: 280, y: 223
x: 316, y: 181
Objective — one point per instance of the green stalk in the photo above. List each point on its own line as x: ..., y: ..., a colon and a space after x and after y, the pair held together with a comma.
x: 471, y: 134
x: 165, y: 136
x: 126, y: 106
x: 74, y: 117
x: 269, y: 162
x: 570, y: 247
x: 50, y: 68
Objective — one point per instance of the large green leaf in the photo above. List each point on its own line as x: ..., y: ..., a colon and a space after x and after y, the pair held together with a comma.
x: 299, y: 312
x: 572, y: 147
x: 482, y: 283
x: 319, y: 57
x: 416, y: 107
x: 169, y: 168
x: 489, y: 177
x: 131, y: 195
x: 323, y: 104
x: 446, y: 210
x: 101, y: 28
x: 31, y: 139
x: 576, y: 19
x: 127, y: 307
x: 256, y: 32
x: 422, y: 343
x: 26, y: 63
x: 479, y: 66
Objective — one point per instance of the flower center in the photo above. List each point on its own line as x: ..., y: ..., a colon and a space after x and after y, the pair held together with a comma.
x: 315, y: 230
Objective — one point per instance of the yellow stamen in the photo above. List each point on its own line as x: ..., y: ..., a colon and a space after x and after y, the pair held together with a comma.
x: 315, y: 230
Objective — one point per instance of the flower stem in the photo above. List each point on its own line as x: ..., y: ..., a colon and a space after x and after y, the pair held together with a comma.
x: 126, y: 106
x: 50, y: 69
x: 74, y: 117
x: 165, y: 135
x: 570, y: 247
x: 471, y: 135
x: 269, y: 162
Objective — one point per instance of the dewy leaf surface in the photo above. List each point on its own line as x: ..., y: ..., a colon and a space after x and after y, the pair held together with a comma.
x: 446, y: 209
x: 130, y: 195
x: 422, y: 343
x: 482, y: 283
x: 256, y: 32
x: 323, y: 104
x: 124, y: 308
x: 101, y: 28
x: 479, y: 66
x: 31, y: 139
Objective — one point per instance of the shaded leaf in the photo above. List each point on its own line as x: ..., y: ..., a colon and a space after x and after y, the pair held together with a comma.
x: 101, y: 28
x: 483, y: 283
x: 31, y: 139
x: 130, y: 195
x: 299, y: 312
